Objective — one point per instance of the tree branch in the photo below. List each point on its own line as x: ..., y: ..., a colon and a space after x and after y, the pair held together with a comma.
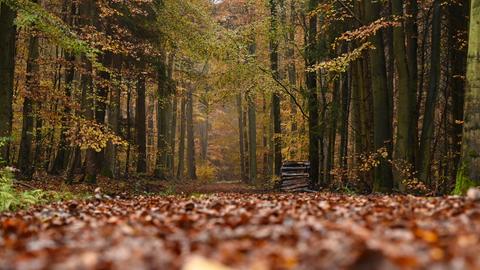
x: 285, y: 88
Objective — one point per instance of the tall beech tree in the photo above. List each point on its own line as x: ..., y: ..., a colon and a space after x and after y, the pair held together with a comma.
x: 141, y: 125
x: 7, y: 69
x: 25, y: 157
x: 274, y: 65
x: 161, y: 166
x: 469, y: 171
x: 382, y: 134
x: 425, y: 155
x: 191, y: 165
x: 406, y: 105
x: 312, y: 96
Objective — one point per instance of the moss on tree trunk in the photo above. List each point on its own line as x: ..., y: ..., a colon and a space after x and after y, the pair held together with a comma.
x: 469, y: 172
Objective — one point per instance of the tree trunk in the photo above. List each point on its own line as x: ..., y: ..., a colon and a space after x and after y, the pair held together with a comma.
x: 332, y: 133
x: 7, y: 69
x: 403, y: 148
x: 252, y: 127
x: 173, y: 114
x: 39, y: 149
x: 382, y: 123
x: 75, y: 155
x: 140, y: 125
x: 274, y: 59
x: 59, y: 163
x: 95, y: 158
x: 181, y: 143
x: 431, y: 102
x: 90, y: 175
x: 266, y: 150
x: 246, y: 144
x: 291, y: 69
x: 411, y: 35
x: 458, y: 26
x: 241, y: 137
x: 173, y: 135
x: 252, y: 139
x: 25, y: 163
x: 204, y: 126
x: 87, y: 10
x: 359, y: 118
x: 128, y: 128
x: 109, y: 166
x: 469, y: 170
x: 345, y: 113
x: 312, y: 96
x: 162, y: 121
x: 191, y: 167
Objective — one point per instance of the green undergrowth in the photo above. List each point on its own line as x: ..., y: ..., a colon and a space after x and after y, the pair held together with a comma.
x: 463, y: 182
x: 11, y: 199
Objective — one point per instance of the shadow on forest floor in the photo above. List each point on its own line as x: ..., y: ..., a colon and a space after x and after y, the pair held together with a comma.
x: 138, y: 186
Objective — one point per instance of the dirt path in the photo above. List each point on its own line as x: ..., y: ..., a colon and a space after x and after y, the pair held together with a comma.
x: 216, y: 187
x: 245, y: 231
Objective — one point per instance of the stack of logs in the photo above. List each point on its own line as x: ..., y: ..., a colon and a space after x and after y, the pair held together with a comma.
x: 295, y: 176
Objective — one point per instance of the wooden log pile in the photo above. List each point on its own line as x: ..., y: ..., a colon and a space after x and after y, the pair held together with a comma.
x: 295, y: 176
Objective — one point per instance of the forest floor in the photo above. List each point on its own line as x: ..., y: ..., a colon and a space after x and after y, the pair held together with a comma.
x: 244, y: 230
x: 138, y: 186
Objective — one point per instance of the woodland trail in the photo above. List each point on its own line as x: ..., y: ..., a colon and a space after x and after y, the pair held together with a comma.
x: 245, y: 231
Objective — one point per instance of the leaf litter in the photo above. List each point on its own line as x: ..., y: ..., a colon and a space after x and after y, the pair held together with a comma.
x: 245, y: 231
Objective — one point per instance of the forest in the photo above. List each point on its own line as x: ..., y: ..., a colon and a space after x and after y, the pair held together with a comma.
x: 171, y: 126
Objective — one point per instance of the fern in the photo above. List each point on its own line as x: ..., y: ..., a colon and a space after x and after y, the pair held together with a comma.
x: 11, y: 199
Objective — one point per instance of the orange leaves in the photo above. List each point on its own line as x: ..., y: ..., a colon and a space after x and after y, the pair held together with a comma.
x: 426, y: 235
x: 367, y: 31
x: 342, y: 62
x: 245, y: 231
x: 90, y: 135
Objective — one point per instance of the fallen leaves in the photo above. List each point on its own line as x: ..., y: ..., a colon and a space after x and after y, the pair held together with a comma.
x: 245, y: 231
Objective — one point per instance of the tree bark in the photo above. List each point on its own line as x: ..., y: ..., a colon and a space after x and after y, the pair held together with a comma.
x: 128, y: 128
x: 252, y: 139
x: 274, y: 59
x: 241, y: 136
x: 291, y: 69
x: 140, y: 125
x: 75, y: 155
x: 469, y: 170
x: 411, y: 35
x: 7, y: 69
x: 204, y: 126
x: 25, y: 163
x: 345, y: 115
x: 405, y: 138
x: 162, y: 121
x: 246, y: 144
x: 173, y: 114
x: 191, y: 167
x: 87, y: 10
x: 181, y: 143
x: 90, y: 175
x: 312, y: 97
x: 173, y: 134
x: 110, y: 163
x: 425, y: 153
x: 95, y: 158
x: 266, y: 150
x: 382, y: 123
x: 458, y: 26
